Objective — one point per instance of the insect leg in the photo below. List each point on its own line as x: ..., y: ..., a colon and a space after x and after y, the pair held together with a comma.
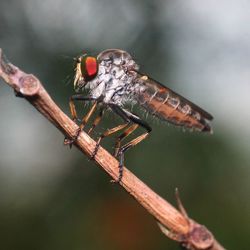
x: 126, y: 133
x: 72, y: 104
x: 96, y: 121
x: 125, y: 114
x: 88, y: 115
x: 73, y: 98
x: 107, y: 133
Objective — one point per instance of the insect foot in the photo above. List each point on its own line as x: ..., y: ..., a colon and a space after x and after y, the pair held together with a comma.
x: 70, y: 141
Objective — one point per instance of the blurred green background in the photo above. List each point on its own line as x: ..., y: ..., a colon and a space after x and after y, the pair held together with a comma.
x: 52, y: 197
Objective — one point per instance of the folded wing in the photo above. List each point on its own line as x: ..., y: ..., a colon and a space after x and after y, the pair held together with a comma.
x: 167, y: 105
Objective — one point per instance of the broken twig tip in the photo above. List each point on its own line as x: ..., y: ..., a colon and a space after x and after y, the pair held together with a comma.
x: 23, y: 84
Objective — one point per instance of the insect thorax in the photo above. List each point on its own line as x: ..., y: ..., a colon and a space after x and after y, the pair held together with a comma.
x: 116, y: 80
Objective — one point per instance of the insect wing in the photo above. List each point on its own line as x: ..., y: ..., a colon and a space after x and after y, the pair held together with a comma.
x: 170, y: 106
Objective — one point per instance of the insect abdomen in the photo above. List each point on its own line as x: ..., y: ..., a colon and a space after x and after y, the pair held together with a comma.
x: 166, y: 106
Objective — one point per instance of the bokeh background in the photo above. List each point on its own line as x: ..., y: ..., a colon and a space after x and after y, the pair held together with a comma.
x: 52, y: 197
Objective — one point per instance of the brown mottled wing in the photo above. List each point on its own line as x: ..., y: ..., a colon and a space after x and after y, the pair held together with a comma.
x: 170, y: 106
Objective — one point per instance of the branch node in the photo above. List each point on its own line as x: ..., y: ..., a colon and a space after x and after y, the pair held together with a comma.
x: 23, y: 84
x: 29, y: 85
x: 198, y: 236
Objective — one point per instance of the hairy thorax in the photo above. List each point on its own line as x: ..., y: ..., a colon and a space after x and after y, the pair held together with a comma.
x: 116, y: 80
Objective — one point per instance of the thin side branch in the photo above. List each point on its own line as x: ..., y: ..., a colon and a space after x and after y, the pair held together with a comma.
x: 175, y: 224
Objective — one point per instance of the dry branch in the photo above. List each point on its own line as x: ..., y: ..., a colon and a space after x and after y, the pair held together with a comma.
x: 175, y: 224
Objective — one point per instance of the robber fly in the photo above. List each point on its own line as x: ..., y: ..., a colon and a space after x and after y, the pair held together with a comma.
x: 113, y: 80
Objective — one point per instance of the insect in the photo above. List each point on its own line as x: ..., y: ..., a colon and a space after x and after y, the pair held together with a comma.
x: 113, y: 80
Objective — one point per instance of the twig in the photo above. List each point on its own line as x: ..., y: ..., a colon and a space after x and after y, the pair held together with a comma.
x: 176, y: 225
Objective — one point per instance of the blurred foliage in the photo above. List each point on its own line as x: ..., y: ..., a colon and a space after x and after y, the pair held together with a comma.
x: 55, y: 198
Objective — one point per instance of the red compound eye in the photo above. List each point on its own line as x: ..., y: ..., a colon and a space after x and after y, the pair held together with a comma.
x: 91, y: 66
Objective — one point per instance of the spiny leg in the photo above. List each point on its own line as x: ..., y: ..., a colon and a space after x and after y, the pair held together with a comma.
x: 107, y: 133
x: 126, y: 133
